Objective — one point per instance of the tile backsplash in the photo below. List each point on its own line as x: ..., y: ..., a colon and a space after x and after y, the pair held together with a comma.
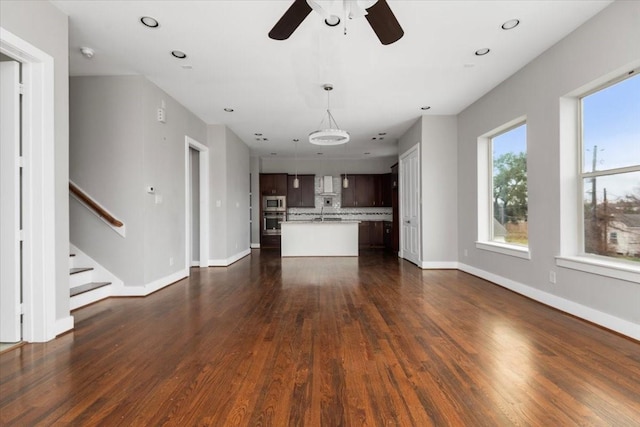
x: 335, y: 210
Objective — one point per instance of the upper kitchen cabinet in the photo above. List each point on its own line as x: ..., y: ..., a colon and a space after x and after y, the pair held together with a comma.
x: 273, y: 184
x: 385, y: 190
x: 367, y: 191
x: 304, y: 195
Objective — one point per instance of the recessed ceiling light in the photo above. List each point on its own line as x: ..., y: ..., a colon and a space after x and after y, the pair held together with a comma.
x: 295, y: 140
x: 229, y: 110
x: 258, y: 139
x: 367, y: 153
x: 510, y: 24
x: 483, y: 51
x: 374, y: 138
x: 257, y: 134
x: 426, y: 107
x: 381, y: 138
x: 382, y: 133
x: 265, y: 139
x: 178, y: 54
x: 149, y: 22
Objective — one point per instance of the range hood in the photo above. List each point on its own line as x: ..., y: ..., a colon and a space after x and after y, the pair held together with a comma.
x: 327, y: 186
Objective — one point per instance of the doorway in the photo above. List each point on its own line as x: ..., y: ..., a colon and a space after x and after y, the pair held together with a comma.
x: 34, y: 262
x: 11, y: 207
x: 410, y: 205
x: 196, y: 203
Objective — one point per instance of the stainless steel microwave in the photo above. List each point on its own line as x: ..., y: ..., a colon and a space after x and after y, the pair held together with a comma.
x: 274, y: 203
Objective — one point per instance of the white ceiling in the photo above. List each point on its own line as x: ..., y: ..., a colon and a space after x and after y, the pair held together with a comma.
x: 275, y: 87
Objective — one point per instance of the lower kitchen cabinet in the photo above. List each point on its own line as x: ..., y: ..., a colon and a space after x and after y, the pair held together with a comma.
x: 270, y: 241
x: 371, y: 234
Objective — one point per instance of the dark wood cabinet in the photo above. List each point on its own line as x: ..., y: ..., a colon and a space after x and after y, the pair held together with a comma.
x: 371, y: 234
x: 376, y: 234
x: 387, y: 227
x: 395, y: 211
x: 304, y: 195
x: 363, y: 234
x: 367, y: 191
x: 361, y: 192
x: 273, y: 184
x: 269, y: 241
x: 385, y: 190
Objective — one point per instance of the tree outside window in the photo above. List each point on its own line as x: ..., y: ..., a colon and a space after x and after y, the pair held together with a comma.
x: 509, y: 182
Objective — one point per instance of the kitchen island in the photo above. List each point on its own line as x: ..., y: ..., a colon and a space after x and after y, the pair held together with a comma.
x: 319, y: 238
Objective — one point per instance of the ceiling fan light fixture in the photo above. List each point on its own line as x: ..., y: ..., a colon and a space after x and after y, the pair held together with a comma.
x: 332, y: 21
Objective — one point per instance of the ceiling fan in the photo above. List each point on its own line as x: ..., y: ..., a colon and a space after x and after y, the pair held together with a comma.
x: 380, y: 17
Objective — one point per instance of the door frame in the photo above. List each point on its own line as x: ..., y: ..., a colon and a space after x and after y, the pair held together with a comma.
x: 39, y: 190
x: 203, y: 163
x: 401, y: 196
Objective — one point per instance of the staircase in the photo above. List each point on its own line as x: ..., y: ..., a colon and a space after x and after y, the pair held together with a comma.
x: 84, y: 288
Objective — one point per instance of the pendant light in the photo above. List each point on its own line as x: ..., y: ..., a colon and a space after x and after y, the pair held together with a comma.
x: 296, y: 181
x: 332, y: 135
x: 345, y: 180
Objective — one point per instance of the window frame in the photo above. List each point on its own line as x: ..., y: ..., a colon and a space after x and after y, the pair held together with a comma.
x: 572, y: 243
x: 582, y: 175
x: 485, y: 192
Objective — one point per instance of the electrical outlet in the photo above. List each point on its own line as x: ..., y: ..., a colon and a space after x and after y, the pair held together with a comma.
x: 552, y: 276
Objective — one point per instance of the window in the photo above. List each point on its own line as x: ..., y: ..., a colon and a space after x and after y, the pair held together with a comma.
x: 610, y: 170
x: 509, y: 186
x: 502, y: 190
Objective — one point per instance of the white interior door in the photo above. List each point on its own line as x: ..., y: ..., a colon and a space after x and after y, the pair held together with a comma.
x: 410, y: 206
x: 10, y: 258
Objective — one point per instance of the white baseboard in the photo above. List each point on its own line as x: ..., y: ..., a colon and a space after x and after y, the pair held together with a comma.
x: 141, y: 291
x: 227, y: 262
x: 195, y: 263
x: 63, y: 325
x: 255, y: 246
x: 608, y: 321
x: 439, y: 265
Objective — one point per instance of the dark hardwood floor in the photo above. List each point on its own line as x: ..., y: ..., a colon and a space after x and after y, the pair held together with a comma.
x: 324, y: 342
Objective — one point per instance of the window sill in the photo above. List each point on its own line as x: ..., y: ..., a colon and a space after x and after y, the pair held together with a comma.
x: 505, y: 249
x: 616, y: 270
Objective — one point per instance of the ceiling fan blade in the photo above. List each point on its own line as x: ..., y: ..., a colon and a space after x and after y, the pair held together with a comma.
x: 384, y: 22
x: 291, y: 19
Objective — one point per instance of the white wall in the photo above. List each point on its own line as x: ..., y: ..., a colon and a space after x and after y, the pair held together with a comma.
x: 437, y: 138
x: 606, y: 43
x: 229, y: 178
x: 238, y: 175
x: 255, y: 200
x: 118, y: 148
x: 45, y: 27
x: 439, y: 170
x: 327, y: 166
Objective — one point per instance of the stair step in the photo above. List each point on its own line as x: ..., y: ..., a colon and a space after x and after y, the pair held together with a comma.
x: 87, y: 287
x: 79, y: 270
